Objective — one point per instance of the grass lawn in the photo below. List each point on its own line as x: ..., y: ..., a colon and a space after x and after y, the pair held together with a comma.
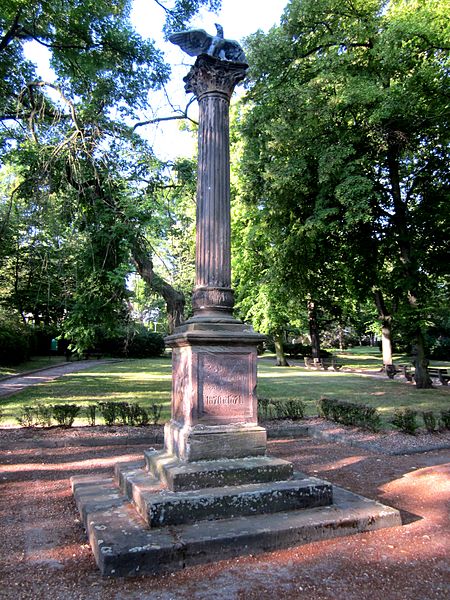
x: 149, y: 381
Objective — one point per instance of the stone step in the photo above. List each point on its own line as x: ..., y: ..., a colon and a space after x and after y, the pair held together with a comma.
x: 182, y: 476
x: 160, y: 507
x: 124, y: 546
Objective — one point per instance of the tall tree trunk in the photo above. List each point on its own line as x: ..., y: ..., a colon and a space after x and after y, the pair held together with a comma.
x: 313, y: 330
x: 278, y: 339
x: 386, y: 328
x: 175, y: 301
x: 400, y: 221
x: 420, y: 362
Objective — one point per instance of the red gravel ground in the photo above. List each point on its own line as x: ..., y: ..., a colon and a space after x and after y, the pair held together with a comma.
x: 44, y: 552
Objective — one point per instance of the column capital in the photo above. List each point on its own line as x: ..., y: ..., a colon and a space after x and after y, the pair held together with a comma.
x: 210, y: 75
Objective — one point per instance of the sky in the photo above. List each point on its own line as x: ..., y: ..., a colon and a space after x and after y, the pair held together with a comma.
x: 239, y: 18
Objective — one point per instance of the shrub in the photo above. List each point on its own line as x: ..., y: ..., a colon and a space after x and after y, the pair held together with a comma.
x: 91, y: 413
x: 292, y: 408
x: 445, y: 419
x: 109, y: 412
x: 139, y: 415
x: 14, y: 341
x: 349, y: 413
x: 439, y: 348
x: 155, y: 413
x: 123, y: 413
x: 27, y: 417
x: 133, y: 343
x: 44, y: 415
x: 429, y: 420
x: 64, y: 414
x: 405, y: 419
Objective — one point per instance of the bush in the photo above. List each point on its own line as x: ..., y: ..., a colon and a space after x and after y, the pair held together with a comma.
x: 64, y: 414
x: 132, y: 343
x: 349, y: 413
x: 91, y: 414
x: 155, y: 413
x: 292, y: 408
x: 405, y: 420
x: 44, y: 415
x: 14, y: 341
x: 429, y: 420
x: 445, y: 419
x: 439, y: 348
x: 108, y: 411
x: 27, y: 417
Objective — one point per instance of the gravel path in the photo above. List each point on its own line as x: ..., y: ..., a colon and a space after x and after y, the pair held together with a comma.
x: 44, y: 553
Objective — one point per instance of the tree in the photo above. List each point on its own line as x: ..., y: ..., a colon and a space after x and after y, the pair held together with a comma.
x: 76, y: 155
x: 347, y: 139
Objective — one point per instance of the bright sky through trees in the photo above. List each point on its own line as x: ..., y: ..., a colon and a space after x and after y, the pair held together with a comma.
x: 239, y: 19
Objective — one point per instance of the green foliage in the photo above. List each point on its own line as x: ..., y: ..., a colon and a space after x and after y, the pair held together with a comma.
x: 27, y: 417
x: 289, y: 408
x: 349, y: 413
x: 82, y: 195
x: 133, y: 342
x: 155, y: 413
x: 344, y: 167
x: 127, y: 413
x: 14, y: 341
x: 109, y: 412
x: 445, y: 418
x: 429, y: 421
x: 91, y: 414
x: 405, y: 420
x: 44, y: 415
x: 64, y: 414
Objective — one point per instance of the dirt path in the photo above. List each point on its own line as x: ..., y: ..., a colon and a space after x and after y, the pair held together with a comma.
x: 12, y: 385
x: 44, y: 553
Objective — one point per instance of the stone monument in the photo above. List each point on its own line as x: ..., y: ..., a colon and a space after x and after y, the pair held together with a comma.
x: 212, y: 492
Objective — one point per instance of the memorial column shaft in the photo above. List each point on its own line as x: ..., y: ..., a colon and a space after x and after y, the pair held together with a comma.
x: 213, y: 82
x: 213, y: 251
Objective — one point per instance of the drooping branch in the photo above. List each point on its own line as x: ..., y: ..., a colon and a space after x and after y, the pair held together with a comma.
x: 174, y: 299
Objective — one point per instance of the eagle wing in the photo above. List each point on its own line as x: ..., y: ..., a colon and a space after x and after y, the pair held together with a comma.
x: 193, y: 41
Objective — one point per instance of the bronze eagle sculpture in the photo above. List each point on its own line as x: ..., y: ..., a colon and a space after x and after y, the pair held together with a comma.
x: 197, y: 41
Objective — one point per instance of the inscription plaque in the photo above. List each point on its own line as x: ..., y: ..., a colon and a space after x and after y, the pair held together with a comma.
x: 225, y: 392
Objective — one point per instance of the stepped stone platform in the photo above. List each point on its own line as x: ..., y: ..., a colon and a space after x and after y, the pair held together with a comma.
x: 162, y: 514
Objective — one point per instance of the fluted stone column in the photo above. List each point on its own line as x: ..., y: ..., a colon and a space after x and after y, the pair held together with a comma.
x: 214, y: 404
x: 213, y: 82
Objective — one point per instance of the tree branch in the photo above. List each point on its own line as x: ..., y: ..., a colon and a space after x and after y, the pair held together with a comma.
x: 12, y: 31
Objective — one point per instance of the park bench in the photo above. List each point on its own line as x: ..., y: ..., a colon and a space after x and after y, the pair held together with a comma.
x: 440, y: 373
x: 405, y: 370
x: 325, y: 363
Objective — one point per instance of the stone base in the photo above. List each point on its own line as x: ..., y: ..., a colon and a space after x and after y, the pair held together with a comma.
x: 127, y: 538
x: 203, y: 442
x: 180, y: 476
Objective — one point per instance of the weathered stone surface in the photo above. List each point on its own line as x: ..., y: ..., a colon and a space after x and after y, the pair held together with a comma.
x: 92, y: 494
x: 214, y: 442
x: 183, y: 476
x: 123, y: 546
x: 163, y: 508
